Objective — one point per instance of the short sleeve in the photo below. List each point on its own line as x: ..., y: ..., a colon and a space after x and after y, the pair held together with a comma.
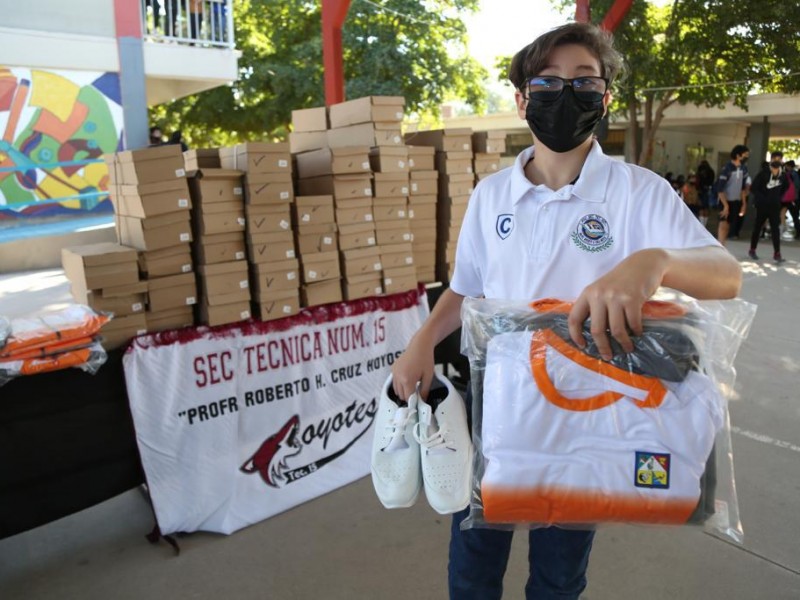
x: 467, y: 280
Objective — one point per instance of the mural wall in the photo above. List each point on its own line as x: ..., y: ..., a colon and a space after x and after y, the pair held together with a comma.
x: 55, y: 126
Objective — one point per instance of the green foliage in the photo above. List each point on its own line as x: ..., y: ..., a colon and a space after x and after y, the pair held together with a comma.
x: 420, y: 55
x: 790, y: 148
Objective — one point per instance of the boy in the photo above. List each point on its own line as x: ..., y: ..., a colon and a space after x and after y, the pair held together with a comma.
x: 575, y: 225
x: 732, y: 185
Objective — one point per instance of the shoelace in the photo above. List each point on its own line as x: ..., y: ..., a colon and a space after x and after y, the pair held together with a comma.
x: 401, y: 419
x: 438, y: 442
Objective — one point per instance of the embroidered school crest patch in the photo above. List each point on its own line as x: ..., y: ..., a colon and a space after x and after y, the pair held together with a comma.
x: 652, y: 470
x: 504, y: 225
x: 592, y: 234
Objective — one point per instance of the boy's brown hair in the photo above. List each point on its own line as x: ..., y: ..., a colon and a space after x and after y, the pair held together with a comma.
x: 532, y: 58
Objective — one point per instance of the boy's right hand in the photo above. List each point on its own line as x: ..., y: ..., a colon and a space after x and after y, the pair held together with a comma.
x: 415, y: 365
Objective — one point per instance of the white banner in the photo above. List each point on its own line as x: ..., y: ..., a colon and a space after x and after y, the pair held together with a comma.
x: 238, y: 423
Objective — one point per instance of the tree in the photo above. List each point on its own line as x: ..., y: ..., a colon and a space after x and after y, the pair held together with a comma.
x: 703, y: 52
x: 410, y: 48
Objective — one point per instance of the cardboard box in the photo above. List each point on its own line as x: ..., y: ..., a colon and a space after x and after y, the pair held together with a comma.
x: 219, y: 248
x: 150, y: 165
x: 215, y: 185
x: 313, y: 239
x: 313, y: 210
x: 267, y: 218
x: 153, y: 199
x: 351, y: 212
x: 489, y: 142
x: 366, y: 109
x: 172, y: 260
x: 324, y: 292
x: 423, y: 230
x: 389, y: 209
x: 396, y: 255
x: 223, y: 218
x: 452, y: 213
x: 399, y: 279
x: 393, y: 232
x: 257, y: 157
x: 390, y: 184
x: 117, y: 291
x: 362, y: 286
x: 273, y: 276
x: 389, y: 159
x: 278, y: 305
x: 486, y: 163
x: 333, y: 161
x: 203, y: 158
x: 366, y: 134
x: 447, y: 140
x: 119, y: 306
x: 223, y: 314
x: 320, y: 267
x: 360, y: 261
x: 339, y: 186
x: 420, y: 158
x: 423, y: 183
x: 454, y: 163
x: 358, y: 235
x: 270, y: 247
x: 97, y: 266
x: 310, y: 119
x: 303, y: 141
x: 421, y: 211
x: 451, y: 186
x: 173, y: 318
x: 268, y: 188
x: 119, y: 331
x: 173, y: 291
x: 228, y: 298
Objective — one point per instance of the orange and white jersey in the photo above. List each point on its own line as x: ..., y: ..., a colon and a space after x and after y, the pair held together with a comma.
x: 567, y: 438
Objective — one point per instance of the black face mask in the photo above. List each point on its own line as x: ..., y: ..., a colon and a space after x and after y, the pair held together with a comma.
x: 564, y: 123
x: 775, y: 164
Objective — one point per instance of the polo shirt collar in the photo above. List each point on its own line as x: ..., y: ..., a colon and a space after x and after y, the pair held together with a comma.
x: 591, y: 184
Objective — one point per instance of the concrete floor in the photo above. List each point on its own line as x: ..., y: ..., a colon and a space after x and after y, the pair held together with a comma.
x: 346, y: 546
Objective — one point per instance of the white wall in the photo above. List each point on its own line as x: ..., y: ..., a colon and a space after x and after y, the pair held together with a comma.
x: 670, y: 151
x: 85, y: 17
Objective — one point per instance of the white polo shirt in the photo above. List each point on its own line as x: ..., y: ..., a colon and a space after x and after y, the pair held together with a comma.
x: 523, y: 241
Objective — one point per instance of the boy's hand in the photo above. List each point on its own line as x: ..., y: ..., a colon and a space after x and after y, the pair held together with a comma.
x: 614, y: 302
x: 414, y: 365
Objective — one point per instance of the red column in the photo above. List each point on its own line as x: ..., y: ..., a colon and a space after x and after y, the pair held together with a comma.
x: 616, y: 14
x: 334, y: 13
x: 582, y: 11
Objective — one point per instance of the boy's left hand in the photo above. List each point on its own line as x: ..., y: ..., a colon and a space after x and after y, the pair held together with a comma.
x: 614, y: 302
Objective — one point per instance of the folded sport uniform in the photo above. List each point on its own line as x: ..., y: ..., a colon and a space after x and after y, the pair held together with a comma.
x: 568, y: 438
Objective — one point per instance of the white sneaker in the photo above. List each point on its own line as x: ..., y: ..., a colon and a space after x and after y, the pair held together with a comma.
x: 395, y: 467
x: 445, y: 447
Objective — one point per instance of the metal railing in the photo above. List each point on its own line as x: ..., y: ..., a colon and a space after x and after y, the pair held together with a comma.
x: 195, y: 22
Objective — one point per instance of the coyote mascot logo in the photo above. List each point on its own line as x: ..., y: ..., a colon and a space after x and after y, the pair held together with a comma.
x: 270, y: 458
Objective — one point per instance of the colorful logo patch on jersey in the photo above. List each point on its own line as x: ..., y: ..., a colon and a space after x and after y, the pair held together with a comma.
x: 504, y: 225
x: 592, y: 234
x: 652, y: 470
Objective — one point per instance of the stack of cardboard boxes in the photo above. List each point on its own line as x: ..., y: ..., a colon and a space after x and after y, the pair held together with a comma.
x: 219, y: 252
x: 488, y: 146
x: 268, y: 195
x: 152, y: 202
x: 423, y: 188
x: 105, y: 277
x: 456, y: 181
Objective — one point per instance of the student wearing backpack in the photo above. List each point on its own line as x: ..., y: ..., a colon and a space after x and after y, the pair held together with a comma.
x: 792, y: 196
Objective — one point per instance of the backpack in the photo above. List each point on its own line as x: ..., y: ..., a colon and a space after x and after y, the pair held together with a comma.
x: 791, y: 192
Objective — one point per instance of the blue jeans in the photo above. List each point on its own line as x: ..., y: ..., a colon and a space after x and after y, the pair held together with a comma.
x: 558, y: 560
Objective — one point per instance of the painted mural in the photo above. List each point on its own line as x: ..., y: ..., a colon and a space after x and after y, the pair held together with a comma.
x: 56, y: 126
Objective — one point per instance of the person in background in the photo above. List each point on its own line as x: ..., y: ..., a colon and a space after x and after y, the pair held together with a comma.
x: 732, y: 193
x: 768, y: 189
x: 705, y: 183
x: 156, y: 136
x: 177, y: 138
x: 793, y: 205
x: 691, y: 195
x: 568, y: 222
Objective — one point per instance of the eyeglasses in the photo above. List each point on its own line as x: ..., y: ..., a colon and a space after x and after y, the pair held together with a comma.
x: 550, y: 87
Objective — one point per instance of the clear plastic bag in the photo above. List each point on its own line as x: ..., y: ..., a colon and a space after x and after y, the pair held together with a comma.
x: 565, y: 438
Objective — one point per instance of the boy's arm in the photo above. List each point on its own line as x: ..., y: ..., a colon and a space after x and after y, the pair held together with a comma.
x: 614, y: 302
x: 416, y: 363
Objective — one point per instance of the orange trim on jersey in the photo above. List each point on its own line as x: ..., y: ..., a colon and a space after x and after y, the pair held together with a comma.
x: 46, y: 334
x: 538, y: 356
x: 653, y: 309
x: 31, y: 366
x: 559, y: 505
x: 50, y: 349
